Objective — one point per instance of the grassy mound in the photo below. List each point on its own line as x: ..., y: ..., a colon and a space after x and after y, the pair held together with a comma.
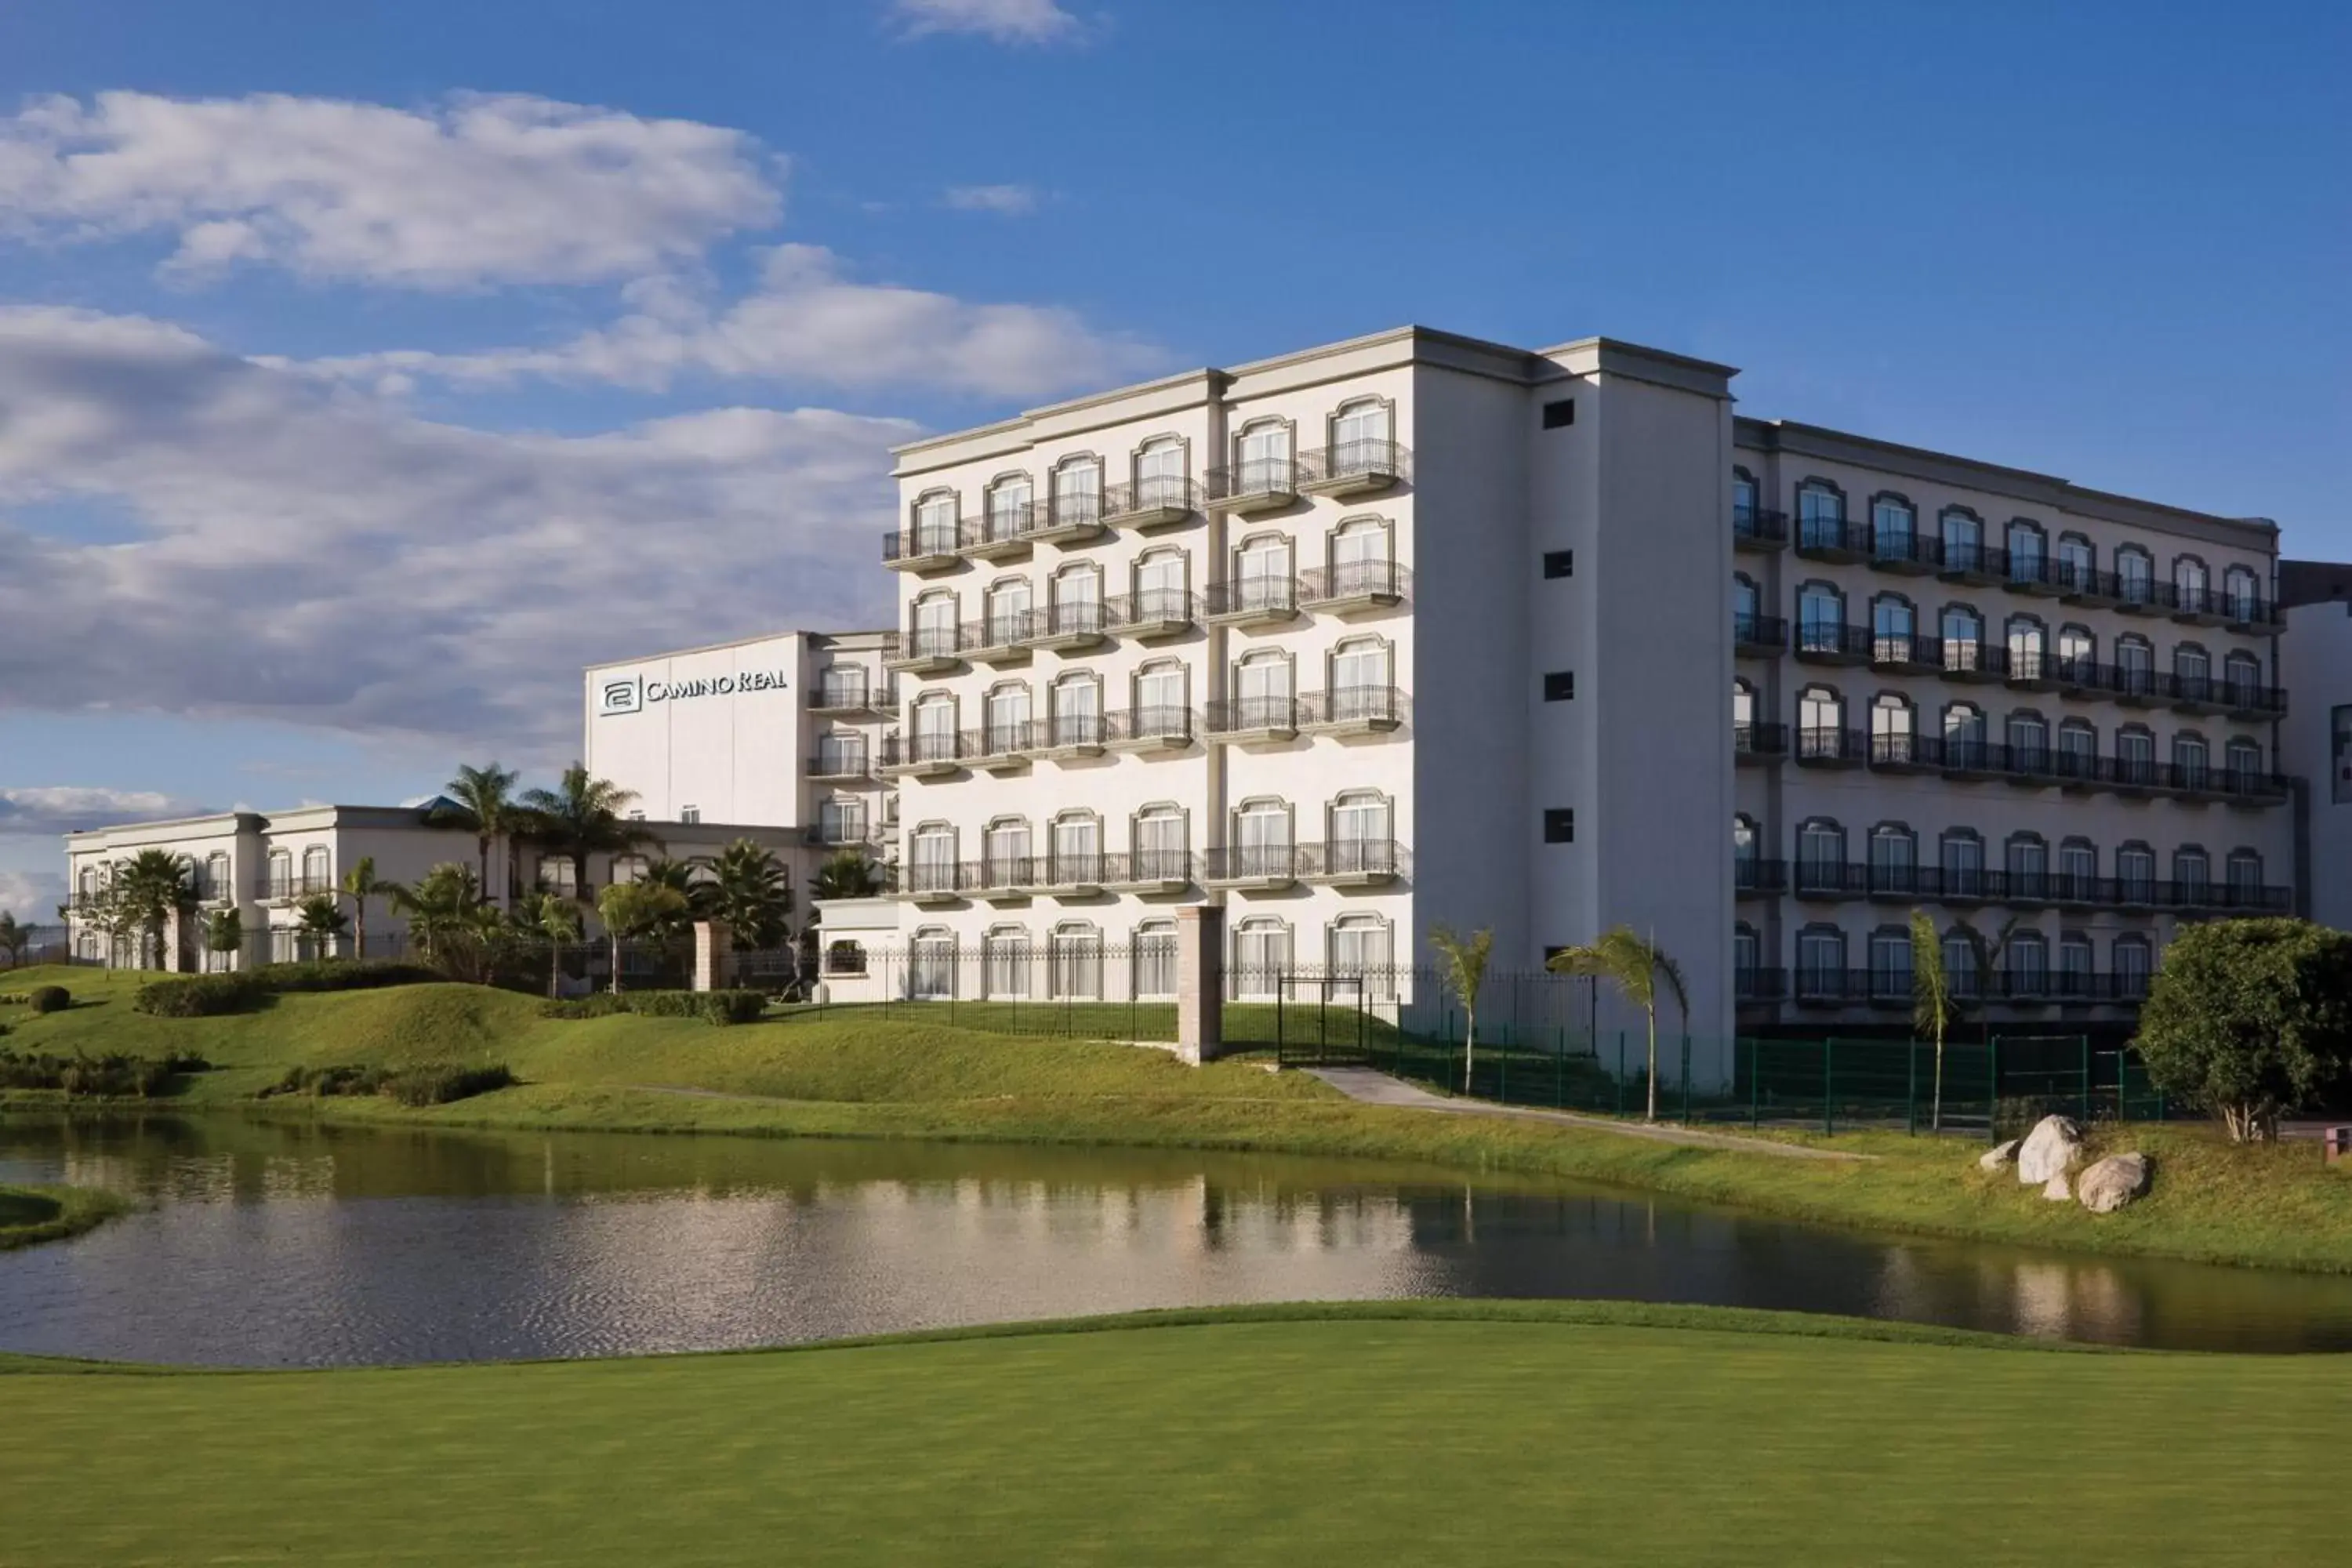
x: 1392, y: 1432
x: 29, y: 1214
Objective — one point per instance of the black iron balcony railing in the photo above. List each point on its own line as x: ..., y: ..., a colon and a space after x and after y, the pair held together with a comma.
x: 923, y: 643
x: 1265, y: 478
x: 1342, y: 705
x: 923, y: 876
x: 1151, y: 722
x: 1890, y: 985
x: 1162, y: 496
x: 858, y: 698
x: 1757, y: 740
x: 931, y: 747
x: 1759, y: 634
x: 2044, y: 763
x: 1251, y: 862
x: 1070, y: 618
x: 1372, y: 582
x: 1886, y: 878
x: 294, y: 887
x: 1756, y: 525
x: 1001, y: 630
x: 1007, y: 738
x: 1152, y: 610
x: 1821, y: 743
x: 1339, y: 859
x: 1149, y: 866
x: 1372, y: 462
x: 925, y: 542
x: 840, y: 764
x: 1258, y: 595
x: 1833, y: 640
x: 1076, y: 509
x: 840, y: 830
x: 1238, y: 715
x: 1005, y: 523
x: 1754, y: 984
x: 1751, y: 874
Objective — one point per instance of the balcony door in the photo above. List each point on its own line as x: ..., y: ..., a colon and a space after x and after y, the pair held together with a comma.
x: 1261, y: 839
x: 1078, y: 711
x: 1077, y: 492
x: 1008, y: 720
x: 1262, y: 574
x: 1077, y: 600
x: 1159, y: 474
x: 1008, y: 613
x: 1265, y: 455
x: 1262, y: 691
x: 1361, y: 832
x: 1159, y: 587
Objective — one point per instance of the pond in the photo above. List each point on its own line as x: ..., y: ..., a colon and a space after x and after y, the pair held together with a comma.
x: 289, y: 1243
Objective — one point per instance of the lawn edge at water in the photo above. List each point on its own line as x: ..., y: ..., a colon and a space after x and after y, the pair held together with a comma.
x: 1577, y: 1314
x: 79, y: 1209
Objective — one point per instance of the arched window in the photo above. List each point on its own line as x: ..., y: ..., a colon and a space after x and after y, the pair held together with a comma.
x: 2192, y: 875
x: 1010, y: 509
x: 1745, y: 501
x: 1894, y: 528
x: 2136, y: 873
x: 1963, y: 533
x: 2134, y: 575
x: 316, y: 876
x: 2245, y: 764
x: 629, y: 868
x: 2026, y: 860
x: 1894, y: 859
x: 216, y: 881
x: 2135, y: 755
x: 1262, y: 574
x: 841, y: 753
x: 1961, y: 850
x: 1359, y: 668
x: 1163, y: 589
x: 1262, y: 695
x: 2131, y: 956
x: 2028, y: 643
x: 2192, y: 760
x: 932, y: 964
x: 2077, y: 565
x: 1077, y: 718
x: 2028, y: 550
x: 1893, y: 626
x: 1262, y: 843
x: 1821, y: 855
x: 1007, y: 612
x: 1821, y: 964
x: 1077, y: 492
x: 1007, y: 718
x: 1964, y: 735
x: 1362, y: 836
x: 1890, y: 964
x: 1820, y: 618
x: 1744, y: 850
x: 1160, y: 481
x: 1360, y: 439
x: 1892, y: 725
x: 1960, y: 965
x: 935, y: 523
x: 2078, y: 748
x: 1963, y: 631
x: 1359, y: 947
x: 2076, y: 960
x: 1743, y: 716
x: 2078, y: 653
x: 1005, y: 854
x: 2135, y: 665
x: 2243, y: 594
x: 1362, y: 558
x: 1821, y: 718
x: 934, y: 631
x: 2028, y: 741
x: 935, y: 728
x: 1820, y: 515
x: 1162, y: 699
x: 1262, y: 454
x: 2245, y: 874
x: 931, y: 859
x: 1155, y: 961
x: 2192, y: 672
x: 1162, y: 840
x: 2189, y: 584
x: 2243, y: 674
x: 282, y: 884
x: 1747, y: 959
x: 1261, y: 957
x: 1004, y: 963
x: 1077, y: 849
x: 840, y: 819
x: 2025, y: 965
x: 1077, y: 606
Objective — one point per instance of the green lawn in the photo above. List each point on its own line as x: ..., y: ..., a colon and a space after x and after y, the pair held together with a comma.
x: 848, y: 1073
x: 1396, y: 1433
x: 28, y: 1215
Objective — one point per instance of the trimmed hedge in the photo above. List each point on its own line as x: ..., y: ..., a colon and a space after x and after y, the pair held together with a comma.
x: 720, y: 1007
x: 430, y: 1083
x: 209, y: 995
x: 113, y: 1075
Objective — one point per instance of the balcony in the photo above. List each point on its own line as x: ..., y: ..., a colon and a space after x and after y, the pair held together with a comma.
x: 1753, y: 529
x: 1069, y: 628
x: 1072, y: 519
x: 1153, y: 729
x: 1755, y: 743
x: 1006, y: 747
x: 854, y: 699
x: 1974, y: 660
x: 1148, y: 872
x: 1151, y: 504
x: 1005, y: 636
x: 1822, y: 747
x: 1258, y: 601
x: 1254, y: 720
x: 838, y: 767
x: 999, y: 877
x: 1903, y: 882
x: 1977, y: 565
x: 1759, y: 636
x: 1065, y: 736
x: 840, y: 832
x: 1080, y: 875
x: 1262, y: 484
x: 1353, y: 710
x: 1004, y: 533
x: 1355, y: 587
x: 2031, y: 669
x: 1751, y: 878
x: 2084, y: 585
x: 2136, y: 596
x: 1832, y: 540
x: 1905, y: 652
x: 939, y: 881
x: 933, y: 649
x: 1353, y: 863
x: 1755, y: 987
x: 1153, y: 615
x: 1905, y: 552
x: 286, y: 890
x: 932, y: 548
x: 1832, y: 642
x: 925, y: 756
x: 1353, y: 468
x: 1252, y: 868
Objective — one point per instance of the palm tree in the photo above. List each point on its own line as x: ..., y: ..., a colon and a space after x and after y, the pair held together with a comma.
x: 846, y: 874
x: 581, y: 817
x: 753, y: 894
x: 321, y: 920
x: 144, y: 893
x: 1634, y: 967
x: 485, y: 798
x: 1466, y: 972
x: 360, y: 884
x: 555, y: 921
x: 632, y: 909
x: 14, y: 938
x: 446, y: 915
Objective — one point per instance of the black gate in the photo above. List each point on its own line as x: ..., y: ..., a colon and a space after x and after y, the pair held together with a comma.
x: 1322, y: 1021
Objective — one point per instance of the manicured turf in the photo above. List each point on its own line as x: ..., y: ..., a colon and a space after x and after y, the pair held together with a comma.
x: 846, y: 1073
x: 29, y: 1214
x: 1402, y: 1433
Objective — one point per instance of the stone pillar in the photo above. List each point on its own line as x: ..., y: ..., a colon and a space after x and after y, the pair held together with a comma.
x: 175, y: 941
x: 714, y: 956
x: 1200, y: 982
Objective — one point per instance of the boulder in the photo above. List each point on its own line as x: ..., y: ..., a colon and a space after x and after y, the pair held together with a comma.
x: 2053, y: 1147
x: 2113, y: 1182
x: 1999, y: 1154
x: 2054, y: 1189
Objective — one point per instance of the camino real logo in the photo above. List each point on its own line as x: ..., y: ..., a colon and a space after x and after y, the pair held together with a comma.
x: 635, y: 694
x: 620, y: 694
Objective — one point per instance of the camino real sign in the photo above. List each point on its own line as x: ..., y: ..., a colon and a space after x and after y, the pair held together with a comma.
x: 620, y: 694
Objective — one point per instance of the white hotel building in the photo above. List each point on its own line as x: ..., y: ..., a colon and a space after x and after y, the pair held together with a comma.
x: 1414, y: 630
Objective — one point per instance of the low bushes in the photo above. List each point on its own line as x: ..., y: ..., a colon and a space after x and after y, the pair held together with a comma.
x: 721, y: 1007
x: 49, y: 999
x: 115, y: 1074
x: 430, y: 1083
x: 210, y: 995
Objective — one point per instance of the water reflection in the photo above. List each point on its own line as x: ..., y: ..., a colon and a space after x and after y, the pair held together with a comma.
x: 288, y: 1244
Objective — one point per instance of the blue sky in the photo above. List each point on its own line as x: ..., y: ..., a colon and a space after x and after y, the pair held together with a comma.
x: 364, y: 370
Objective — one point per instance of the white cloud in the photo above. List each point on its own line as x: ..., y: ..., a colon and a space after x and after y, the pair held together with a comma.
x: 804, y: 322
x: 70, y: 808
x: 31, y: 896
x: 305, y: 553
x: 1004, y: 21
x: 1011, y: 201
x: 480, y: 189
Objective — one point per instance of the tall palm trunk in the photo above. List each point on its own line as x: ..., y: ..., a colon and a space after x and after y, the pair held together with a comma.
x: 1653, y: 1010
x: 1469, y: 1039
x: 554, y: 967
x: 616, y: 962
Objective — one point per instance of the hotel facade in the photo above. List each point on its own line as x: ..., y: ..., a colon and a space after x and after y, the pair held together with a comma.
x: 1415, y: 631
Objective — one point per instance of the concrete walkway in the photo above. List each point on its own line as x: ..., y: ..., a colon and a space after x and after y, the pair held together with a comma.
x: 1378, y: 1088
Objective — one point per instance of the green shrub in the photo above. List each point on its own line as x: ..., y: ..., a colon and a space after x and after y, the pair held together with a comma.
x: 198, y: 996
x: 49, y: 999
x: 113, y: 1075
x: 720, y: 1007
x: 432, y: 1083
x: 595, y: 1004
x: 340, y: 974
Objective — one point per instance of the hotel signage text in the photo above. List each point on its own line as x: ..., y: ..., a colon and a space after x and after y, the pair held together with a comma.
x: 635, y: 694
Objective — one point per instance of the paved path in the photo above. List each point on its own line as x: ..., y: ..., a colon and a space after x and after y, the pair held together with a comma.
x: 1378, y: 1088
